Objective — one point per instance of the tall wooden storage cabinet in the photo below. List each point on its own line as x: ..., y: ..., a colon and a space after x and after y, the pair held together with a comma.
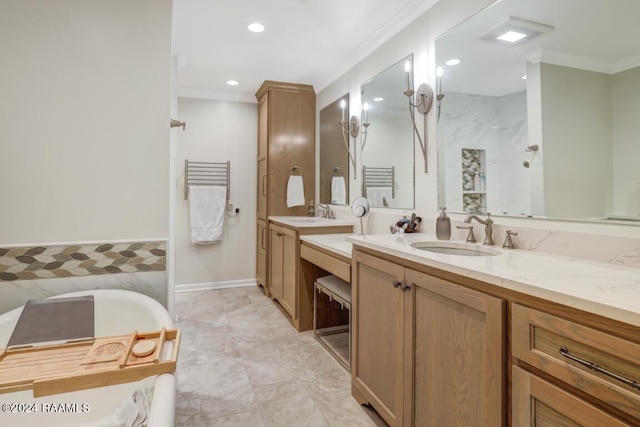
x: 286, y: 138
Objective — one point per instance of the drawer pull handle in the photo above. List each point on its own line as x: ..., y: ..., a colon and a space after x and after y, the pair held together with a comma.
x: 404, y: 287
x: 396, y: 283
x: 631, y: 383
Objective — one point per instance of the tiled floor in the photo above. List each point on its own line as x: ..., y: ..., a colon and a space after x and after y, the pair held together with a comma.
x: 241, y: 363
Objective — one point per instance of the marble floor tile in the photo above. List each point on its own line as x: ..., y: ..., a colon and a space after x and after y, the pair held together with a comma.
x: 244, y: 419
x: 242, y: 363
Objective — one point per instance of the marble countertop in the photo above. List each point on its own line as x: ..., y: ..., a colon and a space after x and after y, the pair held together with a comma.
x: 306, y: 221
x: 336, y: 243
x: 603, y: 289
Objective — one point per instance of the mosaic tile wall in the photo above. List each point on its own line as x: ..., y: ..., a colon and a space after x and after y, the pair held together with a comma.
x: 471, y: 165
x: 474, y: 203
x: 44, y: 262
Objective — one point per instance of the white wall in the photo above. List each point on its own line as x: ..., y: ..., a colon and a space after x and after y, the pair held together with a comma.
x: 84, y: 113
x: 625, y: 88
x: 218, y: 131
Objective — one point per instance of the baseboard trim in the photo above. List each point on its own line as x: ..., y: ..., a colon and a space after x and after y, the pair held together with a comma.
x: 189, y: 287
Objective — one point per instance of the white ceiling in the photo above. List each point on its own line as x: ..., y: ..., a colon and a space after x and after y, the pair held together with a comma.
x: 305, y: 41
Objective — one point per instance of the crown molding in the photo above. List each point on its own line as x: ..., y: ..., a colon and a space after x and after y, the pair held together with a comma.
x: 218, y: 95
x: 412, y: 11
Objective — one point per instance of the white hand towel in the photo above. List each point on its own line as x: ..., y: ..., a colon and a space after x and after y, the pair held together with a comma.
x: 295, y: 191
x: 378, y: 195
x: 338, y: 191
x: 206, y: 209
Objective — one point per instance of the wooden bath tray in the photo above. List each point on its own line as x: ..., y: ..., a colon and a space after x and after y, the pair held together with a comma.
x: 72, y: 366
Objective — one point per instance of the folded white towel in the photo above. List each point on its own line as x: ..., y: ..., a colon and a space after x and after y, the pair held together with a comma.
x: 207, y: 205
x: 134, y: 411
x: 295, y: 191
x: 377, y: 196
x: 338, y: 191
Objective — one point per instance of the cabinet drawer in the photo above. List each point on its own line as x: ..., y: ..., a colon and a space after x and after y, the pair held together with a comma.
x: 563, y: 349
x: 537, y: 403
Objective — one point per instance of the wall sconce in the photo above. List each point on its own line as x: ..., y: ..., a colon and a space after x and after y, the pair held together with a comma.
x: 421, y: 101
x: 353, y: 130
x: 439, y: 94
x: 365, y: 126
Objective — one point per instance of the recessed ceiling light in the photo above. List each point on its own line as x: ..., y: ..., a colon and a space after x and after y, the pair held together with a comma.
x: 511, y: 36
x: 378, y: 99
x: 232, y: 82
x: 453, y: 61
x: 255, y: 27
x: 523, y: 77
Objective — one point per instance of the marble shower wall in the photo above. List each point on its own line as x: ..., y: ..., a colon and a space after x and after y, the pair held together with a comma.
x: 497, y: 125
x: 48, y: 270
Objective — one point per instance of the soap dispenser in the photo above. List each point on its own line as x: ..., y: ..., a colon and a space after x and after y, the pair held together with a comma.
x: 443, y: 226
x: 311, y: 211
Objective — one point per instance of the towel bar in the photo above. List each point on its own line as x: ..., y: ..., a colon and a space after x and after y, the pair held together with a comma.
x: 207, y: 173
x: 379, y: 177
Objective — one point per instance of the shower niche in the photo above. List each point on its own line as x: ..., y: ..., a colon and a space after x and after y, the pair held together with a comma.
x: 474, y: 180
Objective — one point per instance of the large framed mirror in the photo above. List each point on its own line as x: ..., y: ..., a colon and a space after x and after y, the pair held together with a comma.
x: 334, y: 157
x: 388, y: 151
x: 544, y: 125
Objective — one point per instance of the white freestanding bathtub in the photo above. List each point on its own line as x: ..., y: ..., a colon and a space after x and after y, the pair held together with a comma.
x: 117, y: 312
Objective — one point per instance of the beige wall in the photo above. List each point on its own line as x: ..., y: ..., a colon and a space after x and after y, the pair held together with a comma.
x: 576, y: 138
x: 218, y: 131
x: 625, y: 87
x: 84, y: 112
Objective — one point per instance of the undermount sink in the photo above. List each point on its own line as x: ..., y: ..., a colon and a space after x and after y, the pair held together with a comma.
x: 456, y: 248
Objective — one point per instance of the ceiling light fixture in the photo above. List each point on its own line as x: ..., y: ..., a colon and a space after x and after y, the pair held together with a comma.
x: 232, y: 82
x: 255, y: 27
x: 515, y: 31
x: 453, y: 61
x: 511, y: 36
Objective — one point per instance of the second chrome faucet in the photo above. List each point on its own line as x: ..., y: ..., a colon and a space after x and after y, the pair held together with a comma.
x: 488, y: 227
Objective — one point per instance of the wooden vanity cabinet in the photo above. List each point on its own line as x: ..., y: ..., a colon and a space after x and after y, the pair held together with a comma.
x: 425, y: 351
x: 284, y: 254
x: 261, y: 243
x: 538, y: 403
x: 286, y: 138
x: 601, y: 367
x: 291, y: 279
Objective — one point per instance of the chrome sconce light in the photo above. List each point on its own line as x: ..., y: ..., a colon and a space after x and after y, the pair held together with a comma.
x: 352, y: 130
x: 439, y: 94
x: 420, y: 100
x: 365, y: 126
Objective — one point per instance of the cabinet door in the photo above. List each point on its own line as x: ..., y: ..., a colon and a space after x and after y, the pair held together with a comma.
x: 455, y: 339
x: 538, y: 403
x: 263, y: 126
x: 276, y: 242
x: 261, y: 258
x: 261, y: 210
x: 289, y: 270
x: 377, y: 336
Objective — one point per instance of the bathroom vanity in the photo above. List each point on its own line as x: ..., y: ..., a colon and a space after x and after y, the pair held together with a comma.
x: 290, y: 279
x: 492, y: 340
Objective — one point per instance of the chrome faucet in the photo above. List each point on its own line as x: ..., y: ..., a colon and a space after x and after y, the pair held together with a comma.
x: 326, y: 210
x: 488, y: 228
